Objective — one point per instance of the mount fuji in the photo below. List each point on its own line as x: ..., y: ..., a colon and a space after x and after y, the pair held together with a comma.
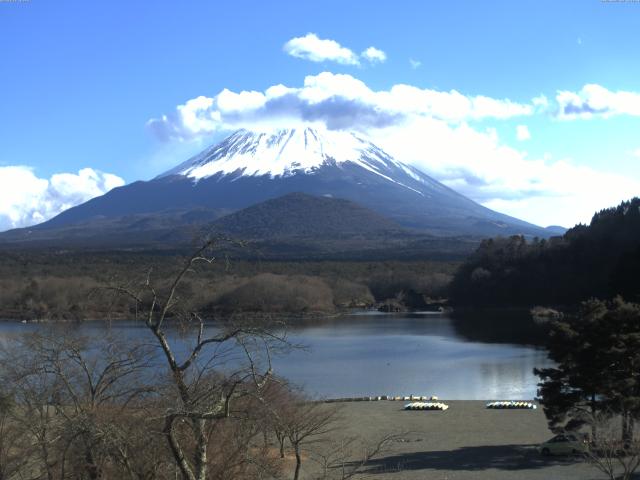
x: 248, y: 168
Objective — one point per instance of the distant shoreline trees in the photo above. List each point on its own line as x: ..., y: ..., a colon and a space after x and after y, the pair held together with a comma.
x: 600, y: 260
x: 57, y: 287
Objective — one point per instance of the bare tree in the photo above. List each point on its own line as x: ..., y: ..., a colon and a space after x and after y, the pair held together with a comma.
x: 71, y: 397
x: 12, y: 441
x: 306, y: 424
x: 190, y: 399
x: 274, y: 408
x: 32, y: 392
x: 182, y: 401
x: 313, y: 431
x: 348, y: 457
x: 608, y: 452
x: 205, y: 376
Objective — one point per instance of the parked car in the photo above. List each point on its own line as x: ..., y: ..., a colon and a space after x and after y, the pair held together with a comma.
x: 563, y: 444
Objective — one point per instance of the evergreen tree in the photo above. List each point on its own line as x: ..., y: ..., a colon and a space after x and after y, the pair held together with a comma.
x: 599, y: 260
x: 597, y: 353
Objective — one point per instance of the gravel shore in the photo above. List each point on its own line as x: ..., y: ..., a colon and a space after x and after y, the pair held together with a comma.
x: 466, y: 442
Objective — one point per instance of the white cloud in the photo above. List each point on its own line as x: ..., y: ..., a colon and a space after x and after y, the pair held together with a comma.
x: 338, y: 101
x: 415, y: 63
x: 596, y: 101
x: 575, y: 194
x: 635, y: 153
x: 477, y: 164
x: 540, y: 103
x: 428, y: 128
x: 373, y: 55
x: 26, y: 199
x: 311, y: 47
x: 523, y: 133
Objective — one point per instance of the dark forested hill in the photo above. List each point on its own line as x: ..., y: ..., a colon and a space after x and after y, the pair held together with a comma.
x: 598, y: 260
x: 299, y: 214
x: 296, y: 226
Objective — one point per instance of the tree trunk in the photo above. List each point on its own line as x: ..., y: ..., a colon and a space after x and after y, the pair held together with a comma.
x: 176, y: 450
x: 201, y: 448
x: 92, y: 469
x: 627, y: 428
x: 47, y: 463
x: 594, y: 423
x: 281, y: 437
x: 298, y: 462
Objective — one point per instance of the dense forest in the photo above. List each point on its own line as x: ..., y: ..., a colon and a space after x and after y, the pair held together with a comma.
x: 599, y: 260
x: 69, y: 285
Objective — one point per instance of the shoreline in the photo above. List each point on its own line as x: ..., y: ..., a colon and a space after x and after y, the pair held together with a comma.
x: 465, y: 442
x: 421, y: 398
x: 298, y: 316
x: 461, y: 312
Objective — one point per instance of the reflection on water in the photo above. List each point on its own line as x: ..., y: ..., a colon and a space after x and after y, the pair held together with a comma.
x: 403, y: 355
x: 372, y: 354
x: 499, y: 326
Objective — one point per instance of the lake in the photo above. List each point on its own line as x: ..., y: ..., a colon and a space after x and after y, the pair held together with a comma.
x: 367, y: 354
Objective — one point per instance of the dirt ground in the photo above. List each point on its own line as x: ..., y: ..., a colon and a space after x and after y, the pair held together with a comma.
x: 466, y: 442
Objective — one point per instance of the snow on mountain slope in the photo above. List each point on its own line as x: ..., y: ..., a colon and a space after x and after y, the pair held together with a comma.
x: 286, y: 152
x: 248, y: 168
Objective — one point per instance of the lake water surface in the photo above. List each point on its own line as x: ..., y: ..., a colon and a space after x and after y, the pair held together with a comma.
x: 378, y: 354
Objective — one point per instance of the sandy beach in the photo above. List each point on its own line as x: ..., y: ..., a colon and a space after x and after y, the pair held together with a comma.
x: 466, y: 442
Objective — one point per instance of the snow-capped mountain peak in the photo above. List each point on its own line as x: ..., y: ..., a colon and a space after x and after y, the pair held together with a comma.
x: 248, y: 168
x: 286, y: 152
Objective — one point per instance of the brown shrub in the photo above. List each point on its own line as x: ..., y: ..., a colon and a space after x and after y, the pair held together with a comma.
x: 267, y: 292
x: 351, y: 294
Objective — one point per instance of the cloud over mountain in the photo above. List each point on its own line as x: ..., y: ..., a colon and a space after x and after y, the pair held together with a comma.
x: 436, y: 131
x: 338, y: 101
x: 26, y: 199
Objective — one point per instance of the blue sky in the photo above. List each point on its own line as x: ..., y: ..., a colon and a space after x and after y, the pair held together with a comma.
x: 81, y: 81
